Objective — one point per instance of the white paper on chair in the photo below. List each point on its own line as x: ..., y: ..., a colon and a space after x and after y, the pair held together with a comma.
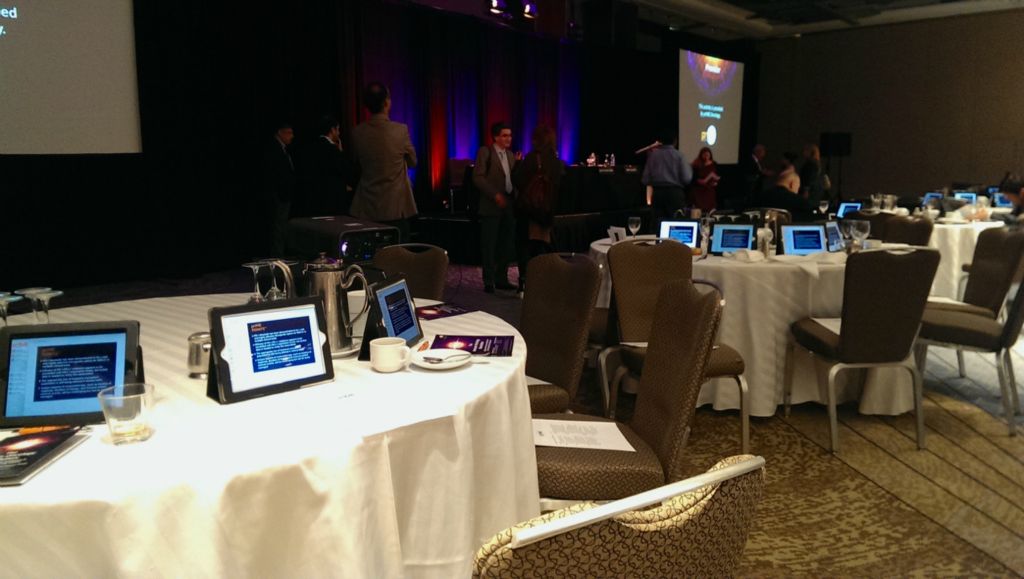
x: 834, y: 325
x: 577, y: 434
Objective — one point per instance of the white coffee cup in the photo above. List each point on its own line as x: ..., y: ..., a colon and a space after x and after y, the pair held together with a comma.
x: 389, y: 354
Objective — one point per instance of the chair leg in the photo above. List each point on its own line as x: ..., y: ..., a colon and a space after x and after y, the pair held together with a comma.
x: 787, y: 377
x: 1004, y: 387
x: 921, y: 357
x: 833, y: 413
x: 613, y: 392
x: 1011, y: 380
x: 960, y: 363
x: 602, y: 363
x: 744, y: 414
x: 915, y: 377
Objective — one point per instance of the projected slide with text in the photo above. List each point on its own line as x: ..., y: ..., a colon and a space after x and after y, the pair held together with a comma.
x: 710, y: 105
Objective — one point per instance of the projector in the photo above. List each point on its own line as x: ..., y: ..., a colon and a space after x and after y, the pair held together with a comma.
x: 346, y: 238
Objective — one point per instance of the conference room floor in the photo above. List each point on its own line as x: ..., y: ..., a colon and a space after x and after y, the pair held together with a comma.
x: 908, y: 503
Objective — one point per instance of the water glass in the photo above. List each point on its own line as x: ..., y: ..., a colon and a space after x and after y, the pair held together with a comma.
x: 634, y: 225
x: 127, y: 411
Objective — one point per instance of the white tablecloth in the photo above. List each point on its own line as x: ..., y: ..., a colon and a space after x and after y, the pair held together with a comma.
x: 762, y: 300
x: 373, y: 475
x: 955, y: 243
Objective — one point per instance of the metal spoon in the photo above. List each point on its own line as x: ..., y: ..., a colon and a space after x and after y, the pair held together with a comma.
x: 452, y: 358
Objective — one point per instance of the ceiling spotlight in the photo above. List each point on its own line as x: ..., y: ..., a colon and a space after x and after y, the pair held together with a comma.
x: 529, y: 9
x: 499, y: 7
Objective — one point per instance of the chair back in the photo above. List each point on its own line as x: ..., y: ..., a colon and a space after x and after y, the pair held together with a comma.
x: 997, y: 257
x: 778, y: 216
x: 909, y: 230
x: 638, y: 271
x: 878, y: 221
x: 555, y: 319
x: 424, y: 266
x: 699, y: 529
x: 884, y: 296
x: 678, y: 350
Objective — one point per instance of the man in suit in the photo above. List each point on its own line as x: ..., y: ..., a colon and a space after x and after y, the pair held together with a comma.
x: 279, y: 179
x: 384, y: 154
x: 492, y: 177
x: 327, y: 172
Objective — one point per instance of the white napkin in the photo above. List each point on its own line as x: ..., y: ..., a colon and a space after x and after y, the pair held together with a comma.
x: 809, y: 263
x: 746, y: 255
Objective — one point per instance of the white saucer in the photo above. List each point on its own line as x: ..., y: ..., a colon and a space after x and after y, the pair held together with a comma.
x: 356, y: 344
x: 461, y: 358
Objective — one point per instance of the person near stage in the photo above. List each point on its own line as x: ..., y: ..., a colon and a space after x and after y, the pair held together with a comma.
x: 666, y: 175
x: 812, y: 179
x: 327, y: 172
x: 536, y: 178
x: 492, y: 178
x: 279, y: 180
x: 703, y: 189
x: 383, y: 154
x: 758, y: 175
x: 788, y: 177
x: 1012, y: 186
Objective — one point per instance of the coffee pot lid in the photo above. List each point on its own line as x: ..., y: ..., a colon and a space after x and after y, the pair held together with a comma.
x: 324, y: 263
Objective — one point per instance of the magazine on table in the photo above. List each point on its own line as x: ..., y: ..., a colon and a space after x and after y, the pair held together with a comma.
x: 476, y: 345
x: 23, y: 456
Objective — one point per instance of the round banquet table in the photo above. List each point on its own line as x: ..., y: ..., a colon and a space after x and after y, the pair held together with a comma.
x: 762, y: 300
x: 955, y: 242
x: 371, y: 475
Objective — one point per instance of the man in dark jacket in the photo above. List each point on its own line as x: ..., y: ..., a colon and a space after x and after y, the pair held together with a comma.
x: 492, y: 177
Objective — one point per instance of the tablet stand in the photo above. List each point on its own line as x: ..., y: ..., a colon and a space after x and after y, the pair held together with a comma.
x: 373, y: 330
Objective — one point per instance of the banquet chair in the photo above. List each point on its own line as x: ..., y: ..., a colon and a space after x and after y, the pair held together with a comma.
x: 877, y: 219
x: 638, y: 270
x: 778, y: 216
x: 424, y: 266
x: 884, y: 295
x: 978, y: 332
x: 910, y: 230
x: 998, y: 257
x: 555, y: 322
x: 694, y: 527
x: 680, y: 345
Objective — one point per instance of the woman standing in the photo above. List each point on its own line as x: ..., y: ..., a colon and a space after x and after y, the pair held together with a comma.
x: 705, y: 181
x: 537, y: 178
x: 788, y: 177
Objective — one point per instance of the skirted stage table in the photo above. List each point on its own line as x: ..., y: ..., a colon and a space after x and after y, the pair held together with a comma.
x: 372, y: 475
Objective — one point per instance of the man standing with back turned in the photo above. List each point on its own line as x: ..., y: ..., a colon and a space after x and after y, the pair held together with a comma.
x: 492, y: 177
x: 384, y: 153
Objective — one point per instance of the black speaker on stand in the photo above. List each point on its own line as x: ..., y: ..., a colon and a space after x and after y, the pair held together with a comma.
x: 836, y: 145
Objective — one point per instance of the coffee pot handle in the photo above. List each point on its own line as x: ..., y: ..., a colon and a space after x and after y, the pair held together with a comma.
x: 352, y: 273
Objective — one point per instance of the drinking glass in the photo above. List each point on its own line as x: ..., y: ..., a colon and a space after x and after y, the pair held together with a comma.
x: 876, y: 201
x: 30, y: 294
x: 44, y: 301
x: 255, y: 266
x: 126, y: 410
x: 983, y: 202
x: 634, y: 225
x: 823, y: 206
x: 860, y: 230
x: 276, y: 293
x: 6, y: 299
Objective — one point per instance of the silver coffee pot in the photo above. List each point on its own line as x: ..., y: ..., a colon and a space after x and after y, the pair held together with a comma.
x: 331, y: 279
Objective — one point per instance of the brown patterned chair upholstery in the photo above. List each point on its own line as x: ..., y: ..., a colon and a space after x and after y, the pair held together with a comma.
x: 555, y: 322
x: 998, y: 257
x: 877, y: 219
x: 638, y: 270
x: 699, y: 529
x: 883, y: 299
x: 677, y: 355
x: 909, y: 230
x: 979, y: 333
x: 424, y: 266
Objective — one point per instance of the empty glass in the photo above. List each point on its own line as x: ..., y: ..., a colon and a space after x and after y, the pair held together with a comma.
x: 859, y: 230
x: 30, y: 294
x: 7, y: 299
x: 275, y: 292
x: 255, y: 266
x: 634, y: 225
x: 44, y: 298
x: 823, y: 206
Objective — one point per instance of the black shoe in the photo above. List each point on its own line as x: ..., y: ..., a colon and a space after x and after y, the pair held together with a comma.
x: 504, y: 285
x: 488, y: 288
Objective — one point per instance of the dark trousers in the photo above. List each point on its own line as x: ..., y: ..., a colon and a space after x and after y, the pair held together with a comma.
x: 279, y: 228
x: 665, y: 201
x: 497, y: 249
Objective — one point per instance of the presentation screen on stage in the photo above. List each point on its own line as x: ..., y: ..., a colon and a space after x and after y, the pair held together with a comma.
x: 67, y: 77
x: 710, y: 103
